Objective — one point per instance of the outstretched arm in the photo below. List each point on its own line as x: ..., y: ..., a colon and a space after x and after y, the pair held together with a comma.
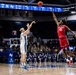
x: 71, y: 31
x: 30, y: 25
x: 55, y: 18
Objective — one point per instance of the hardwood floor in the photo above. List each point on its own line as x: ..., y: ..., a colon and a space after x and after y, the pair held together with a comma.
x: 39, y: 69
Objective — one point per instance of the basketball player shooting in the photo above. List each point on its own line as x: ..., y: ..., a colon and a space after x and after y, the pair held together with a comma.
x: 23, y: 44
x: 64, y: 44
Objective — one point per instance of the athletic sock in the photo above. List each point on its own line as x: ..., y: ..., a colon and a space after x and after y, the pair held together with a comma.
x: 67, y: 60
x: 24, y: 64
x: 71, y: 58
x: 21, y: 64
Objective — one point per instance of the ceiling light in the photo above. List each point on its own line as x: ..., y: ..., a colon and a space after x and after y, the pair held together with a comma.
x: 73, y: 12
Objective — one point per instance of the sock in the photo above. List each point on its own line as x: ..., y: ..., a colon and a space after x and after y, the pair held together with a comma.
x: 21, y: 63
x: 70, y: 58
x: 24, y: 64
x: 67, y: 60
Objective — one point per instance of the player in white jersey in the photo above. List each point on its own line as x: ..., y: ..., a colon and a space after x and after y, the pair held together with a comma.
x: 23, y: 44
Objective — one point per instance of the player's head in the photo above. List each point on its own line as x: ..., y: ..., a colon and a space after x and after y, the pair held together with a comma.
x: 22, y: 29
x: 61, y: 22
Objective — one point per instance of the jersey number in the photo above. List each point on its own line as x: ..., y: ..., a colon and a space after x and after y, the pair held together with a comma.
x: 60, y: 29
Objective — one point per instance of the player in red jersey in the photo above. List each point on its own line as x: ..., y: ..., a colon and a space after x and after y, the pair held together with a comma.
x: 64, y: 44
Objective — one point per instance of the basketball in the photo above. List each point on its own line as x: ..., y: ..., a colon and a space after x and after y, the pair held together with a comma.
x: 40, y: 3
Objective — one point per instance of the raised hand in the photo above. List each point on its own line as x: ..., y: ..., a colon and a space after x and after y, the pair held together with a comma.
x: 75, y: 35
x: 33, y: 22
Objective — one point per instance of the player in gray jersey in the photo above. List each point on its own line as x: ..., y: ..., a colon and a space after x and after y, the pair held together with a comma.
x: 23, y: 44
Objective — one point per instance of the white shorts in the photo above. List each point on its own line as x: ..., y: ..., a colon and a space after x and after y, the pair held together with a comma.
x: 23, y: 49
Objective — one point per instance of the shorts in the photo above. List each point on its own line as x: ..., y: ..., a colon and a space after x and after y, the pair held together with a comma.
x: 23, y: 49
x: 64, y: 43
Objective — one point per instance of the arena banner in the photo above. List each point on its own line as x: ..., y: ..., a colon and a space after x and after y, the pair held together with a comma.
x: 10, y: 57
x: 27, y: 7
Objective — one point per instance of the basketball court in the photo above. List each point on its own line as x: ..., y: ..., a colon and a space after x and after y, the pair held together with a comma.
x: 38, y: 69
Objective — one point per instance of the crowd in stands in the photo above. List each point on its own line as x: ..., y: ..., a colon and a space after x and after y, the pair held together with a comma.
x: 38, y: 51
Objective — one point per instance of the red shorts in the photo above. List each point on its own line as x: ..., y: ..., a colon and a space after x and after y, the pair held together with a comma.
x: 64, y: 43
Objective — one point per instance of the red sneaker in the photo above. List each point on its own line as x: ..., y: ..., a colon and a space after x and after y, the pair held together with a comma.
x: 68, y: 63
x: 71, y: 61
